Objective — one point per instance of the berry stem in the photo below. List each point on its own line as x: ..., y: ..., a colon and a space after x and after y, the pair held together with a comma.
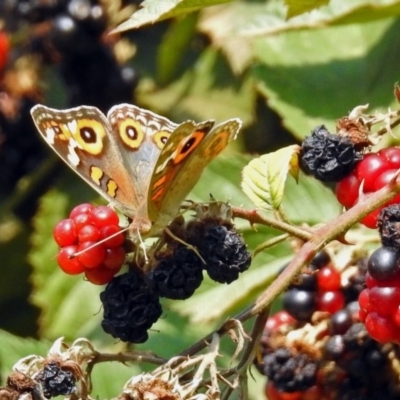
x: 321, y: 237
x: 270, y: 243
x: 254, y: 217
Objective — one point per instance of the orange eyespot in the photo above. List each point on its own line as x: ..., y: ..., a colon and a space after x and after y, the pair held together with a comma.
x: 188, y: 145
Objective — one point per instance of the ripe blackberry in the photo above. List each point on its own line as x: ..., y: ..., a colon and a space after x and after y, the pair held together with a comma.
x: 300, y: 304
x: 56, y: 381
x: 130, y: 308
x: 290, y: 372
x: 224, y: 253
x: 329, y: 157
x: 384, y: 263
x: 178, y: 275
x: 389, y: 226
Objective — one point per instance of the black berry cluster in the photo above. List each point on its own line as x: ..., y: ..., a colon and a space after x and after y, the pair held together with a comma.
x: 327, y: 156
x: 290, y: 372
x: 222, y: 248
x: 178, y: 274
x: 329, y: 355
x: 213, y: 245
x: 130, y: 307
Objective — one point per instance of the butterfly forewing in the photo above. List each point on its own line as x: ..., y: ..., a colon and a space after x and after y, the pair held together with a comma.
x: 83, y: 138
x: 188, y: 151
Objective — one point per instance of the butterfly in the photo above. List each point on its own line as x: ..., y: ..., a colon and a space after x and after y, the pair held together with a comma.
x: 140, y: 162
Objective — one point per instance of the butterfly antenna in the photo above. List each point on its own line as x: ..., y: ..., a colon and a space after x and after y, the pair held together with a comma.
x: 100, y: 242
x: 189, y: 246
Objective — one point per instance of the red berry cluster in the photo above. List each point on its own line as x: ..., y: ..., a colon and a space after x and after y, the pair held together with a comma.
x: 316, y: 290
x: 85, y: 233
x: 380, y: 301
x: 374, y: 172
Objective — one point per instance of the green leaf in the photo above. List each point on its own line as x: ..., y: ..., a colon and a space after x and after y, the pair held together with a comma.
x: 175, y: 43
x: 343, y: 70
x: 14, y: 348
x: 309, y: 201
x: 232, y: 27
x: 264, y: 178
x: 297, y: 7
x: 214, y: 302
x: 152, y: 11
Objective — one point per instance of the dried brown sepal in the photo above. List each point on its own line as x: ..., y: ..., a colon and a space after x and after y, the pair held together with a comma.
x: 356, y: 130
x: 68, y: 365
x: 8, y: 394
x: 20, y: 382
x: 153, y: 389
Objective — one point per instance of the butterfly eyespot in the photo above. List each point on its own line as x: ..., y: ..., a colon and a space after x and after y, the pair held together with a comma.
x: 131, y: 133
x: 160, y: 138
x: 89, y: 135
x: 185, y: 148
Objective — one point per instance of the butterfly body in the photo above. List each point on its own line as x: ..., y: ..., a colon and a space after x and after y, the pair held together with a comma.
x: 142, y: 163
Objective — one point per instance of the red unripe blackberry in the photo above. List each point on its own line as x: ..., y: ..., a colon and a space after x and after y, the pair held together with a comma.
x: 330, y: 301
x: 67, y: 261
x: 64, y: 233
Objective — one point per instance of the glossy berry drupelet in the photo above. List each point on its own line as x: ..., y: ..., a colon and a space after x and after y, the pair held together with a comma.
x: 90, y: 239
x: 300, y: 304
x: 384, y: 263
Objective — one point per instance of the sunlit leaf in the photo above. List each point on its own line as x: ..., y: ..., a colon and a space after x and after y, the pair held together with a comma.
x: 297, y: 7
x: 264, y: 178
x: 152, y: 11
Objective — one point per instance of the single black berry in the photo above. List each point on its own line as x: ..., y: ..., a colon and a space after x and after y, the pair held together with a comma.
x: 329, y: 157
x: 290, y: 372
x: 340, y: 322
x: 300, y: 304
x: 321, y: 259
x: 178, y: 275
x: 130, y: 308
x: 384, y: 263
x: 224, y: 253
x: 389, y: 226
